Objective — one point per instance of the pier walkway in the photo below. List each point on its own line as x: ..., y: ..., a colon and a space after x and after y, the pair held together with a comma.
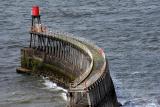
x: 73, y: 63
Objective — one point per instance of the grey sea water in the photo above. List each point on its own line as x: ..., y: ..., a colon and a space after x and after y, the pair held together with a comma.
x: 127, y: 30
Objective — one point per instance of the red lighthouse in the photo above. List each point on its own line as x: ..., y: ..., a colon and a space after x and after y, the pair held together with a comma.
x: 36, y: 24
x: 35, y: 15
x: 35, y: 11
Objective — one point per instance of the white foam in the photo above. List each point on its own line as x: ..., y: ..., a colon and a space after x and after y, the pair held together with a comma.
x: 152, y: 105
x: 49, y: 84
x: 53, y: 86
x: 64, y: 96
x: 134, y: 73
x: 60, y: 88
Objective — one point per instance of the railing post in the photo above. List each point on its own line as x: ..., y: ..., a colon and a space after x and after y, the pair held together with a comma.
x: 89, y: 99
x: 30, y: 40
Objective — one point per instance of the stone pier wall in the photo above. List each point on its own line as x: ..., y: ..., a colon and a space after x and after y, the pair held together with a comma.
x: 79, y: 67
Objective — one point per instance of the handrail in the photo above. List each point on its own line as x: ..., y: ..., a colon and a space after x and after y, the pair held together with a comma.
x: 82, y: 45
x: 79, y: 45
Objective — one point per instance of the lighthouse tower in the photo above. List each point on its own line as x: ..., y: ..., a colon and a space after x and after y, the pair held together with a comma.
x: 35, y: 16
x: 36, y: 24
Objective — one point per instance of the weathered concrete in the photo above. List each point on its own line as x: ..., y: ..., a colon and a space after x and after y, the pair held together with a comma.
x: 77, y: 65
x: 56, y: 56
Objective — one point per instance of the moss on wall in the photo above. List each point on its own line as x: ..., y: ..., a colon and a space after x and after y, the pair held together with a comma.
x: 53, y: 72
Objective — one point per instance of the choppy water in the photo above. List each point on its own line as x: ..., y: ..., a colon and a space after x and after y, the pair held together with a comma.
x: 128, y: 30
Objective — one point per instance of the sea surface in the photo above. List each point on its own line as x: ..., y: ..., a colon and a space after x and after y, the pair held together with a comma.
x: 127, y: 30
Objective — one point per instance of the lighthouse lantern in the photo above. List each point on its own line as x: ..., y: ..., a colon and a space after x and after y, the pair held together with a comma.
x: 35, y: 11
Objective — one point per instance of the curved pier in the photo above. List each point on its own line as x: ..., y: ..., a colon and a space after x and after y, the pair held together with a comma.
x: 72, y: 63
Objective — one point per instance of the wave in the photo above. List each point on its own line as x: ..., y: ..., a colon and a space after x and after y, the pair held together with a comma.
x: 53, y: 86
